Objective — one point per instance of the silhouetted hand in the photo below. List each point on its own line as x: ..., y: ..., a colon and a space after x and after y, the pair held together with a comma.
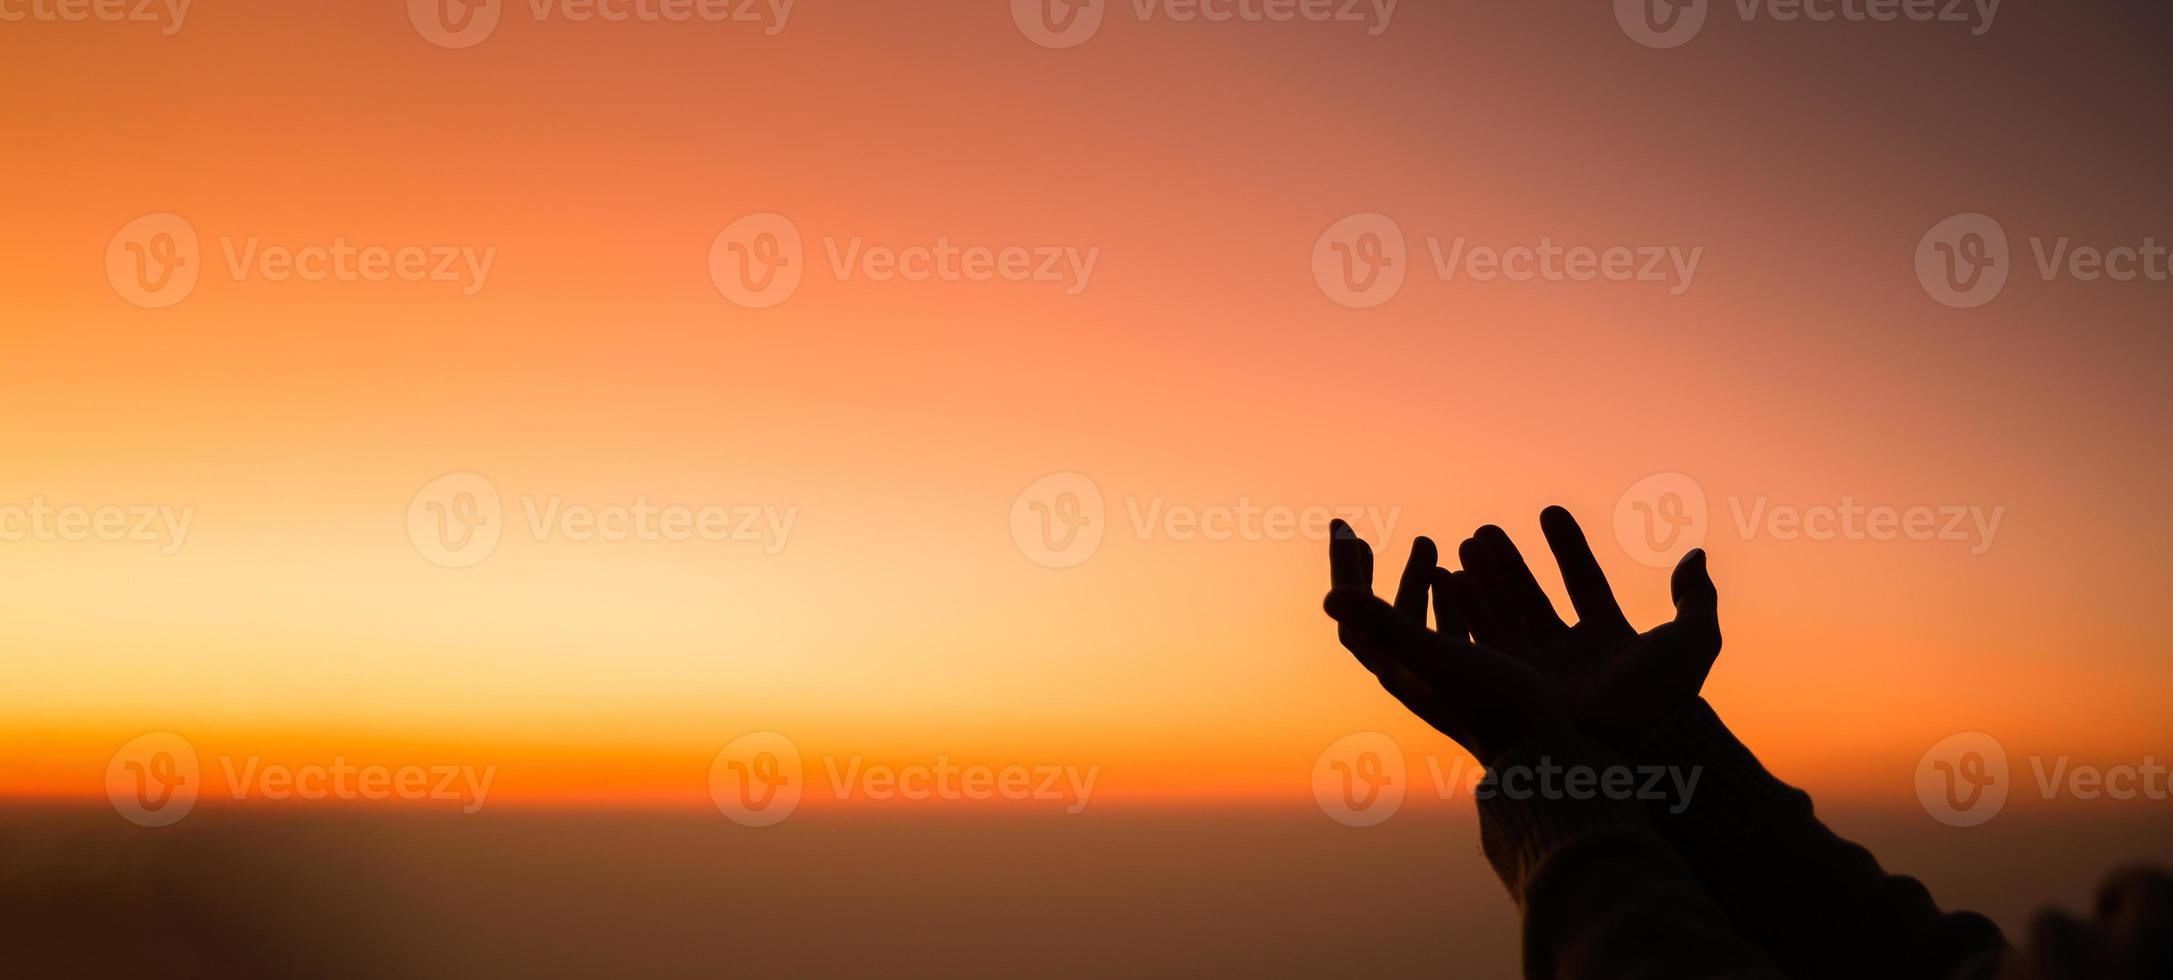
x: 1487, y: 700
x: 1615, y: 680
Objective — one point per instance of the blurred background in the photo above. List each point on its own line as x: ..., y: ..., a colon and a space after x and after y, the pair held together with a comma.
x: 562, y: 487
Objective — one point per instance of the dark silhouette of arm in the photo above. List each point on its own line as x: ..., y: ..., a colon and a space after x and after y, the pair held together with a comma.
x: 1817, y: 904
x: 1612, y: 888
x: 1820, y: 905
x: 1601, y: 894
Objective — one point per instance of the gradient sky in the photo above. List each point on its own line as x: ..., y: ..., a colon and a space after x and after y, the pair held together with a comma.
x: 1202, y: 364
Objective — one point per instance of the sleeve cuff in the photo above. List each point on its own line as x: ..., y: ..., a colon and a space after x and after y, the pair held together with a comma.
x: 1548, y: 792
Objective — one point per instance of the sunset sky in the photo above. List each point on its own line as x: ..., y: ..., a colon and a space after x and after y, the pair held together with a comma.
x: 1199, y: 364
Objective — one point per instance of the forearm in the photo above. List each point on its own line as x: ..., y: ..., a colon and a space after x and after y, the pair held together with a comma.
x: 1601, y: 894
x: 1819, y: 905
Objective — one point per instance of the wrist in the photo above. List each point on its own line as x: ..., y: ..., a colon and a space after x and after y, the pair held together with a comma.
x: 1543, y: 793
x: 1635, y: 725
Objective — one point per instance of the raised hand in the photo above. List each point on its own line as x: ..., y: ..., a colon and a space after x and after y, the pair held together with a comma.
x: 1485, y: 699
x: 1615, y: 680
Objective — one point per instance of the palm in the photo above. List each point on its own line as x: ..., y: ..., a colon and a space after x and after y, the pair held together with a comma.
x: 1615, y: 679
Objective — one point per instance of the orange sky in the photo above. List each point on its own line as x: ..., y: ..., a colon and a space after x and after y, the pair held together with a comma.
x: 1200, y: 364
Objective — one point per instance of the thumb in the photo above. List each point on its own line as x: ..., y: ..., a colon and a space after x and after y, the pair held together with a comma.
x: 1697, y: 601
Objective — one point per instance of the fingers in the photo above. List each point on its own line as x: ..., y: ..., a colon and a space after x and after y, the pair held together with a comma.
x: 1350, y: 568
x: 1697, y: 613
x: 1417, y: 576
x: 1382, y: 624
x: 1395, y: 676
x: 1484, y: 602
x: 1519, y: 587
x: 1350, y: 559
x: 1449, y: 604
x: 1589, y: 593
